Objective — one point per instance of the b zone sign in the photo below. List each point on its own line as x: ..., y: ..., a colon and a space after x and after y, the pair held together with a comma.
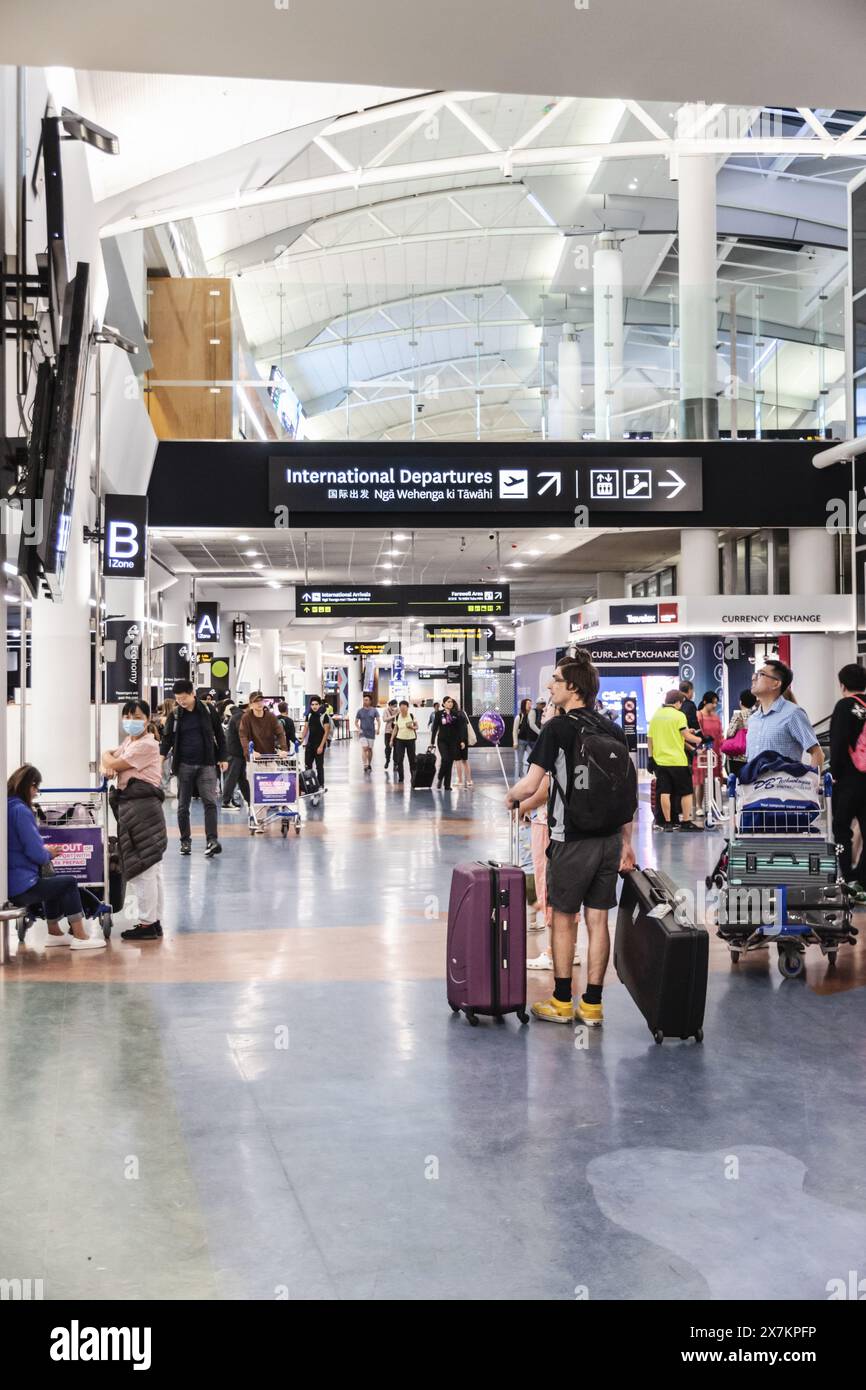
x: 124, y: 536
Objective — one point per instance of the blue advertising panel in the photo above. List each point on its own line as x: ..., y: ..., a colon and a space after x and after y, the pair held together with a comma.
x: 82, y: 850
x: 275, y: 788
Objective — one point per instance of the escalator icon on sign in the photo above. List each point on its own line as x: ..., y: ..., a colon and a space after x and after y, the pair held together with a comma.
x: 637, y: 483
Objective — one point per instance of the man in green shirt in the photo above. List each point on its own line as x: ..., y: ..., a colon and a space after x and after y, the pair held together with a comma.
x: 668, y: 736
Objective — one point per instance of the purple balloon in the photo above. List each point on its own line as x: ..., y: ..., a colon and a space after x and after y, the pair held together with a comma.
x: 491, y: 726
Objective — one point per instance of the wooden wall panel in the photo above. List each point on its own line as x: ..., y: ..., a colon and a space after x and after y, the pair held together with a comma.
x: 183, y: 317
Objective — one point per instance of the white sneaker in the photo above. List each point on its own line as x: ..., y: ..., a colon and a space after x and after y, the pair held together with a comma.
x: 542, y: 962
x: 540, y: 922
x: 88, y: 943
x: 63, y: 940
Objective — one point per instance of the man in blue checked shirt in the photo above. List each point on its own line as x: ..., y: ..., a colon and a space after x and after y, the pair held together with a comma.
x: 778, y: 725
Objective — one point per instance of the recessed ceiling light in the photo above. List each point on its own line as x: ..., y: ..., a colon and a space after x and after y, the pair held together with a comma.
x: 503, y: 579
x: 393, y: 552
x: 251, y: 552
x: 272, y: 584
x: 387, y: 581
x: 584, y: 288
x: 399, y: 536
x: 553, y: 538
x: 243, y: 538
x: 533, y: 552
x: 259, y: 566
x: 385, y: 565
x: 516, y: 564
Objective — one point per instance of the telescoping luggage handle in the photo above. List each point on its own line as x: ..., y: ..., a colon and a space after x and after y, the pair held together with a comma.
x: 515, y: 842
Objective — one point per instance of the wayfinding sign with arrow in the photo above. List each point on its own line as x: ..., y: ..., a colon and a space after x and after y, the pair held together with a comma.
x: 640, y: 483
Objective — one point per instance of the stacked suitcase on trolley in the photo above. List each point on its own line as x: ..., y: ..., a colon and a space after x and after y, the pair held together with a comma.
x: 778, y: 878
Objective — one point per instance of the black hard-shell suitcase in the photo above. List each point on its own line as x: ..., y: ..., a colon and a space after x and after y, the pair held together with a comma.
x: 425, y: 772
x: 662, y: 962
x: 309, y: 782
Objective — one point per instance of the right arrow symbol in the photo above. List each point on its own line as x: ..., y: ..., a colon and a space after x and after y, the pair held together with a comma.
x: 676, y: 485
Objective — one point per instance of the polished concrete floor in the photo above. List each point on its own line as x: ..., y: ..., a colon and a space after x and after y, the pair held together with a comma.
x: 276, y: 1102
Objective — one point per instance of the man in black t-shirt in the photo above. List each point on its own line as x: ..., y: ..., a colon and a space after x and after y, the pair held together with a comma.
x: 315, y: 735
x: 582, y: 868
x: 849, y: 784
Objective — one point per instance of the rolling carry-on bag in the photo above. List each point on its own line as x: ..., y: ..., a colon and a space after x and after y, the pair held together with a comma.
x: 425, y: 772
x: 309, y: 782
x: 486, y: 947
x: 662, y: 962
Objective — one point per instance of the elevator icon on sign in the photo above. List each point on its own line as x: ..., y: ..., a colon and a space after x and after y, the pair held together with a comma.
x: 603, y: 484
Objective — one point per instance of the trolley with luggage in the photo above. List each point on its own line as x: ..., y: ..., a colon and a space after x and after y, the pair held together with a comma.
x: 777, y: 879
x: 75, y: 820
x: 275, y: 791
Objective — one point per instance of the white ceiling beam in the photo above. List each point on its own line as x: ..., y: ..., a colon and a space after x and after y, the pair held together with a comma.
x: 819, y: 128
x: 473, y: 127
x: 560, y: 105
x: 333, y: 154
x: 423, y: 118
x: 377, y: 222
x: 649, y: 122
x: 476, y: 164
x: 853, y: 133
x: 461, y: 209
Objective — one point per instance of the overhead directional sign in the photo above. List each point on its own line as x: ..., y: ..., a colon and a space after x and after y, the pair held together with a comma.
x: 434, y: 632
x: 622, y: 483
x: 315, y: 602
x: 405, y: 600
x: 369, y: 648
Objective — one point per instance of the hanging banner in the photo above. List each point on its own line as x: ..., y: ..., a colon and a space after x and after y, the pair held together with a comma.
x: 124, y: 536
x: 207, y: 622
x: 175, y: 661
x: 123, y: 673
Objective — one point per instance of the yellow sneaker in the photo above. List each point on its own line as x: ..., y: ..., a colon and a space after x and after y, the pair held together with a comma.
x: 591, y: 1014
x: 553, y: 1011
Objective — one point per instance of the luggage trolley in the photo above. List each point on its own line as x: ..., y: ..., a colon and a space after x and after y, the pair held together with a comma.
x: 76, y: 818
x: 275, y: 788
x: 778, y: 880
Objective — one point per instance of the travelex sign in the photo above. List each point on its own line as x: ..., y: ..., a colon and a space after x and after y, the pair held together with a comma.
x: 631, y: 483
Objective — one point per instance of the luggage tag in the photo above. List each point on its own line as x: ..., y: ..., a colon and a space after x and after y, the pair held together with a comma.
x: 660, y: 910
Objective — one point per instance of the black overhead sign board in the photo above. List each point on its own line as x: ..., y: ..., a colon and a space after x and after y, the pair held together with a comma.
x: 622, y: 483
x: 314, y: 602
x: 405, y: 600
x: 369, y: 648
x: 439, y: 632
x: 636, y: 482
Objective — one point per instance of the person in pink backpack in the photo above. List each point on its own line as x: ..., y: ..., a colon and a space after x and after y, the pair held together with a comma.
x: 848, y: 766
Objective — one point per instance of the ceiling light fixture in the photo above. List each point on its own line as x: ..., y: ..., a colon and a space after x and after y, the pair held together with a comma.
x: 244, y: 538
x: 258, y: 566
x: 516, y: 564
x: 385, y: 565
x: 251, y: 552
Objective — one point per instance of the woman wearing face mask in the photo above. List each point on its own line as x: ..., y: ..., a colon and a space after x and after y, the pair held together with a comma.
x: 137, y: 803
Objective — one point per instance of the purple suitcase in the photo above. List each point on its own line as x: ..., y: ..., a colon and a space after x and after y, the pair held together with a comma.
x: 486, y: 951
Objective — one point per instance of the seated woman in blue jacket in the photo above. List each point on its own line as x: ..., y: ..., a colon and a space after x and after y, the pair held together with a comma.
x: 27, y: 854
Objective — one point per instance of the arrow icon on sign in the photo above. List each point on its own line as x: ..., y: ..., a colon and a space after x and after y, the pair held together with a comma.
x: 677, y: 484
x: 555, y: 478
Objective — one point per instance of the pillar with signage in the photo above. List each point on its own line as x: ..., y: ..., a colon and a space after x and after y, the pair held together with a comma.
x: 702, y: 663
x: 123, y: 669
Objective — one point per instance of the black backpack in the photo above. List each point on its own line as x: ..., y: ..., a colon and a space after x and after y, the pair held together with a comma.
x: 603, y: 791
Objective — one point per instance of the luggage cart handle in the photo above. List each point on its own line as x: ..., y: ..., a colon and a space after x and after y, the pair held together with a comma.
x: 64, y: 791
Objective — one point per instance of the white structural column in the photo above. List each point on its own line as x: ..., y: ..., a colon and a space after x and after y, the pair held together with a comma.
x: 696, y: 243
x: 60, y: 745
x: 607, y: 336
x: 565, y: 416
x: 814, y: 655
x: 269, y: 664
x: 312, y: 670
x: 698, y: 569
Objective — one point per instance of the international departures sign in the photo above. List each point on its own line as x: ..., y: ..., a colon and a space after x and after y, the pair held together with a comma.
x: 632, y: 482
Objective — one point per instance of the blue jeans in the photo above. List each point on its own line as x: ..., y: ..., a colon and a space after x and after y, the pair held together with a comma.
x: 58, y: 895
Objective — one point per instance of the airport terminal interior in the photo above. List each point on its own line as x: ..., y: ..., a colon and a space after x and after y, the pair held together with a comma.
x: 361, y: 429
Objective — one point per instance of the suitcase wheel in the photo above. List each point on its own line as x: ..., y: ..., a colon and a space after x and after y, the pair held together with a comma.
x: 699, y: 1035
x: 831, y: 957
x: 471, y: 1019
x: 455, y: 1009
x: 790, y: 964
x: 106, y: 925
x: 735, y: 956
x: 524, y: 1016
x: 659, y: 1035
x: 297, y: 827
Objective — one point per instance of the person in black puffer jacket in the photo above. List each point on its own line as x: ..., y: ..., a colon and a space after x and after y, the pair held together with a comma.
x: 137, y: 801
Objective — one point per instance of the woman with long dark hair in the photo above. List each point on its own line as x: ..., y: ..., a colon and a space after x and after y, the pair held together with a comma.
x: 526, y: 735
x: 31, y: 880
x: 450, y: 736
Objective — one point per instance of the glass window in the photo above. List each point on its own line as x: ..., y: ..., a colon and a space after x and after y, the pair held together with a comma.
x: 666, y: 581
x: 652, y: 586
x: 758, y: 563
x: 858, y: 239
x: 741, y: 566
x: 639, y: 590
x: 782, y: 584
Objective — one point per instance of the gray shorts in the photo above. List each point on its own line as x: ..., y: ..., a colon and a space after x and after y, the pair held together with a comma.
x: 583, y: 873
